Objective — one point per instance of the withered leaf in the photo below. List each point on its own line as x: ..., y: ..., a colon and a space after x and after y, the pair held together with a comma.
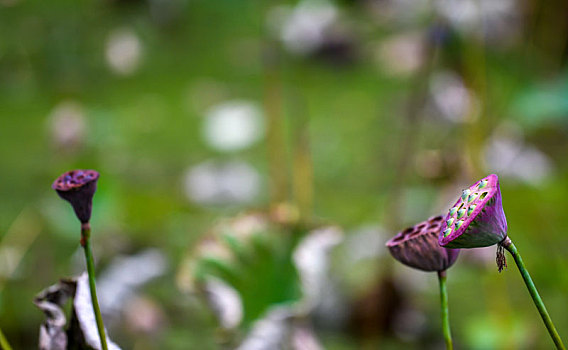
x: 81, y: 332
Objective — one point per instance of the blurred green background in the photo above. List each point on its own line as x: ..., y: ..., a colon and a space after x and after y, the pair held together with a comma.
x: 369, y: 115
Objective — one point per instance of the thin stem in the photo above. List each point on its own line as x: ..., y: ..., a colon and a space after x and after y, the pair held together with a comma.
x: 86, y: 243
x: 444, y: 308
x: 275, y: 129
x: 302, y: 173
x: 4, y: 342
x: 534, y: 294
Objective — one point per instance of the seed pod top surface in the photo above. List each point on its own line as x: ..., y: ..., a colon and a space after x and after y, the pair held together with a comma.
x: 78, y: 187
x: 477, y: 218
x: 418, y: 247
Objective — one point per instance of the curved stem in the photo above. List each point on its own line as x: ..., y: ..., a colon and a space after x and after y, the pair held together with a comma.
x: 86, y: 243
x: 444, y: 308
x: 4, y: 342
x: 534, y: 294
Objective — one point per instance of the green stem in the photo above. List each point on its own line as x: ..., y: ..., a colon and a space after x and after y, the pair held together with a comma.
x: 534, y: 294
x: 444, y: 307
x: 86, y: 243
x: 4, y: 342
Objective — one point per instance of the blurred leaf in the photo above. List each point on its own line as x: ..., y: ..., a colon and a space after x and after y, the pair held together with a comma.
x: 254, y: 256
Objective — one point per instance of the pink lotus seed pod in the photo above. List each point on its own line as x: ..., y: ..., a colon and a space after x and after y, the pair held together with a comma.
x: 78, y: 187
x: 477, y: 219
x: 418, y: 247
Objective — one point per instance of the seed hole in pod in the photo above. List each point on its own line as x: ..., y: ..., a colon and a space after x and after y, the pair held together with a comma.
x: 483, y: 195
x: 461, y: 206
x: 415, y: 234
x: 433, y: 226
x: 408, y: 231
x: 398, y: 238
x: 437, y: 219
x: 421, y: 226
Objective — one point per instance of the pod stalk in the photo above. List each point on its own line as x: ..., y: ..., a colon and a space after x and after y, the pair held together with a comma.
x: 444, y: 309
x: 86, y: 244
x: 508, y: 244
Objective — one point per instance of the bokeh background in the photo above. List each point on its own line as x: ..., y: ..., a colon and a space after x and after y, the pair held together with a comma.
x: 256, y: 155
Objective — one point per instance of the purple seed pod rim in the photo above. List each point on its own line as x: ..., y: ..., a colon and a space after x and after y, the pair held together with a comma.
x: 74, y: 179
x: 417, y: 246
x: 468, y: 206
x: 415, y: 231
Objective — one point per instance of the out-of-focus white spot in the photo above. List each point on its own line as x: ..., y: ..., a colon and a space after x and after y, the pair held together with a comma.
x: 225, y: 302
x: 463, y: 14
x: 303, y: 28
x: 67, y: 124
x: 312, y: 261
x: 126, y: 274
x: 450, y: 96
x: 217, y: 183
x: 367, y: 242
x: 303, y: 338
x: 233, y: 125
x: 401, y: 54
x: 123, y: 51
x: 320, y: 295
x: 279, y: 329
x: 271, y: 331
x: 496, y: 21
x: 507, y: 154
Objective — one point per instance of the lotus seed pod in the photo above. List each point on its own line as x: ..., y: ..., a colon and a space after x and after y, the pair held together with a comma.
x: 477, y: 218
x: 418, y: 247
x: 78, y: 187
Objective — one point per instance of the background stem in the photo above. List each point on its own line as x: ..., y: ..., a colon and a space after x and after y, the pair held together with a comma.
x: 444, y: 307
x: 535, y: 296
x: 86, y: 243
x: 4, y: 342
